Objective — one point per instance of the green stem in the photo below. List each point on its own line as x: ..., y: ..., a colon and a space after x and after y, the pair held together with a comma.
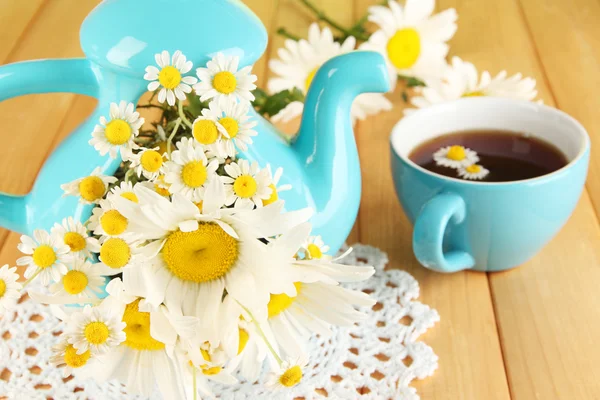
x: 283, y: 32
x: 182, y: 115
x: 28, y: 281
x: 323, y: 17
x: 170, y: 140
x: 263, y: 336
x: 128, y: 174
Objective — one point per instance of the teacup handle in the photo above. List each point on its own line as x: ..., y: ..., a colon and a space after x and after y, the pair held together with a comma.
x: 428, y: 235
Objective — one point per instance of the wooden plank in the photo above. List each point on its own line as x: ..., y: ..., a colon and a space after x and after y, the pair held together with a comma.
x: 466, y: 339
x: 30, y: 123
x: 267, y: 12
x: 567, y: 37
x: 547, y: 310
x: 16, y: 17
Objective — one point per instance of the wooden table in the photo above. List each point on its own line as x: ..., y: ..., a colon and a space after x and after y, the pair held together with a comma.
x: 530, y: 333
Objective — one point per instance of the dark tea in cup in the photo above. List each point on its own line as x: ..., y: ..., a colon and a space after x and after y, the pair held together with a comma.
x: 508, y: 156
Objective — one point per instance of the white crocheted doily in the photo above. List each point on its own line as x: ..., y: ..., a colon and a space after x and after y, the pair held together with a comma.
x: 376, y: 359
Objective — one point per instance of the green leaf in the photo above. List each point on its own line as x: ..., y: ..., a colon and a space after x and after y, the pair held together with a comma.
x: 195, y: 106
x: 272, y: 105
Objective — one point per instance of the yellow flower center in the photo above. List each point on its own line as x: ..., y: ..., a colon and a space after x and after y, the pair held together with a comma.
x: 225, y: 82
x: 274, y: 196
x: 194, y: 174
x: 314, y: 251
x: 404, y: 48
x: 96, y: 332
x: 130, y: 196
x: 44, y: 256
x: 118, y: 132
x: 113, y: 222
x: 2, y: 288
x: 75, y: 282
x: 74, y: 360
x: 161, y: 190
x: 231, y: 126
x: 291, y: 377
x: 244, y: 336
x: 137, y: 331
x: 473, y: 169
x: 245, y: 186
x: 310, y: 78
x: 205, y: 131
x: 75, y: 241
x: 281, y: 302
x: 169, y: 77
x: 115, y: 253
x: 457, y: 153
x: 92, y: 188
x: 151, y: 160
x: 474, y: 94
x: 211, y: 371
x: 203, y: 255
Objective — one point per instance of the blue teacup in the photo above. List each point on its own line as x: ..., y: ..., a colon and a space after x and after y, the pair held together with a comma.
x: 460, y: 224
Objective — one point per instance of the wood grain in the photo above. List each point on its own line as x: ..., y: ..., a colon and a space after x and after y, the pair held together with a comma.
x: 525, y: 334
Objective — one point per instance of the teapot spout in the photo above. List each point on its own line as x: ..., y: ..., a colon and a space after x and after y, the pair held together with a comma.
x: 325, y: 145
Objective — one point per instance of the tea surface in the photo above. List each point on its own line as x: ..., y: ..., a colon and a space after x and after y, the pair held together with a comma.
x: 509, y: 156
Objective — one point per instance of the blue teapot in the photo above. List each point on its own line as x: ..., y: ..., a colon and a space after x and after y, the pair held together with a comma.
x: 121, y: 37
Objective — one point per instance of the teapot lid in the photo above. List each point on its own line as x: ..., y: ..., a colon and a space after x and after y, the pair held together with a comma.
x: 126, y: 34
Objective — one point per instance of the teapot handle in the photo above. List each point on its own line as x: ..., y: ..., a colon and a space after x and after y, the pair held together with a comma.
x: 40, y: 76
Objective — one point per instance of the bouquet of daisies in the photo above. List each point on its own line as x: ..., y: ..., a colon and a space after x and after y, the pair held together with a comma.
x: 189, y: 269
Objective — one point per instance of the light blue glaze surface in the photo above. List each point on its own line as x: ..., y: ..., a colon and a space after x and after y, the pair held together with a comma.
x: 499, y: 226
x: 120, y: 38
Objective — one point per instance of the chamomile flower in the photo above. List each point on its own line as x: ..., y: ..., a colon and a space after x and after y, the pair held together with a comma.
x: 118, y: 253
x: 97, y: 329
x: 298, y: 64
x: 473, y: 172
x: 455, y: 157
x: 233, y: 259
x: 90, y: 189
x: 249, y: 350
x: 315, y: 247
x: 125, y: 190
x: 170, y: 77
x: 209, y: 363
x: 76, y: 236
x: 46, y: 256
x: 463, y: 80
x: 288, y: 375
x: 81, y: 281
x: 65, y: 356
x: 234, y: 123
x: 107, y: 221
x: 274, y: 185
x: 148, y: 162
x: 221, y: 78
x: 246, y: 185
x: 292, y: 319
x: 412, y: 41
x: 142, y: 360
x: 116, y: 134
x: 189, y: 171
x: 10, y: 289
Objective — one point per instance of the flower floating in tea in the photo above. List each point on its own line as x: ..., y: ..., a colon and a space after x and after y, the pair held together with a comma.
x: 473, y: 172
x: 455, y: 157
x: 463, y: 160
x: 207, y: 275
